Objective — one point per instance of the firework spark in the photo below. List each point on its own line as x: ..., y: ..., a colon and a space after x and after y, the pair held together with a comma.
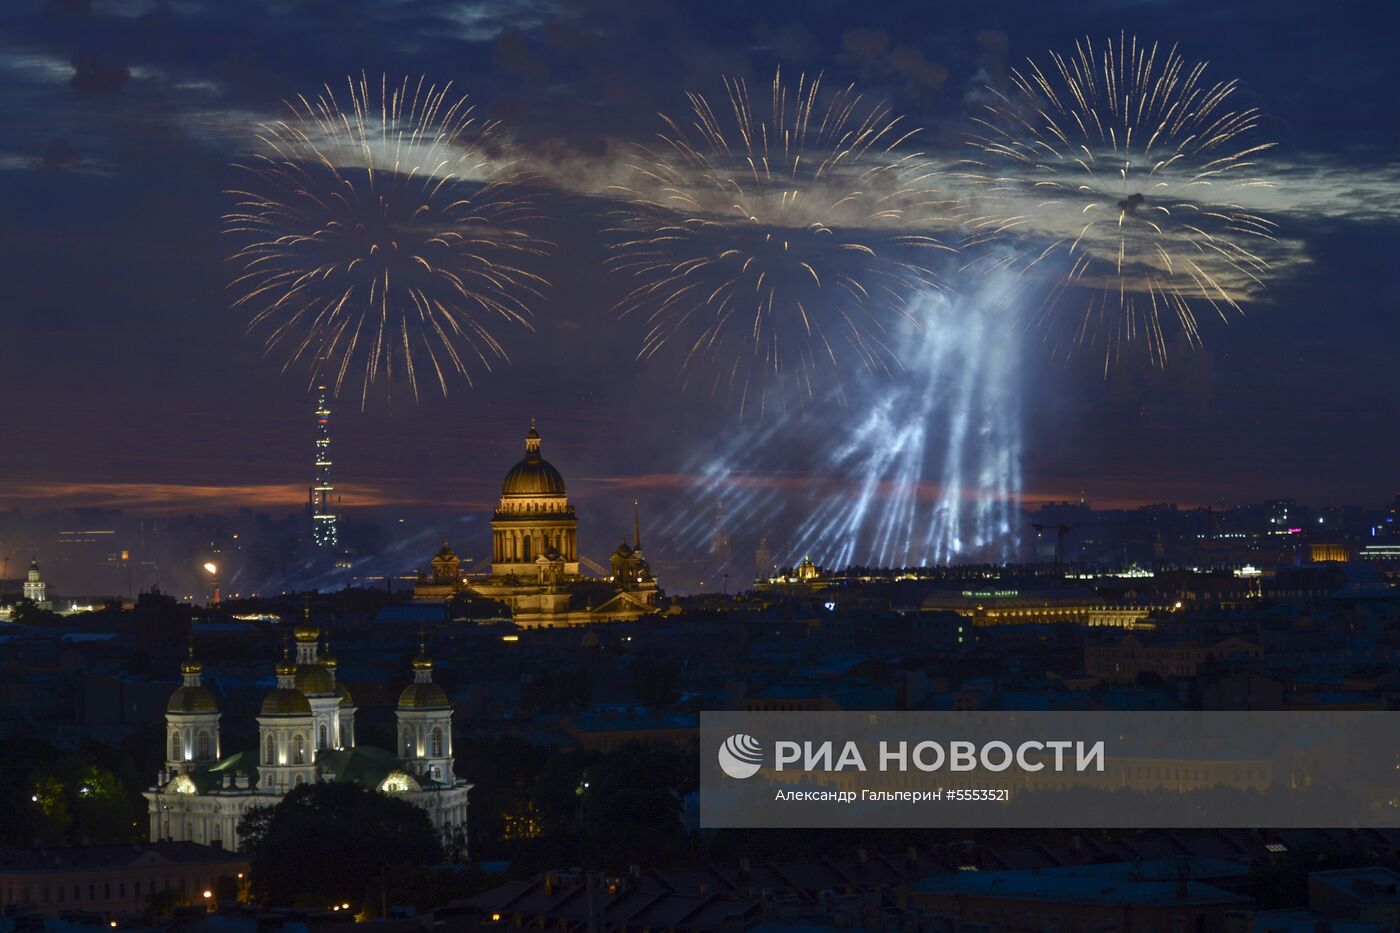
x: 775, y: 236
x: 383, y: 231
x: 1137, y: 168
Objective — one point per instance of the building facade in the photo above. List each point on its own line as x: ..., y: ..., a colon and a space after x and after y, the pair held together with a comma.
x: 306, y: 733
x: 535, y: 564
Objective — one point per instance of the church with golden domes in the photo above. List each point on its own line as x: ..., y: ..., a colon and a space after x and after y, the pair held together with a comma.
x: 535, y: 565
x: 306, y: 733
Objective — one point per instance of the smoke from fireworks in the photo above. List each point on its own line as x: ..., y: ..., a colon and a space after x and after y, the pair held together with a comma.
x: 383, y: 232
x: 776, y: 237
x: 1136, y: 167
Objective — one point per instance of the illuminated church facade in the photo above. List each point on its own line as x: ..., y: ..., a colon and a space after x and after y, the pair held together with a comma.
x: 535, y: 566
x: 306, y: 734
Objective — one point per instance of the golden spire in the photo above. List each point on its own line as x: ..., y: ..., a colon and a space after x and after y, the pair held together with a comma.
x: 191, y: 665
x: 422, y: 662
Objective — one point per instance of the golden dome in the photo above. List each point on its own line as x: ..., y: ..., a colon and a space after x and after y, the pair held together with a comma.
x: 344, y: 692
x: 191, y: 667
x: 306, y: 632
x: 286, y: 669
x: 285, y: 702
x: 424, y: 695
x: 191, y: 700
x: 313, y: 679
x: 533, y: 476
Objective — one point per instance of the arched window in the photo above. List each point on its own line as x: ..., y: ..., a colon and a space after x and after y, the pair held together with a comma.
x: 407, y: 742
x: 270, y: 757
x: 299, y: 751
x: 437, y: 742
x: 203, y: 745
x: 300, y: 780
x: 323, y: 739
x: 175, y: 750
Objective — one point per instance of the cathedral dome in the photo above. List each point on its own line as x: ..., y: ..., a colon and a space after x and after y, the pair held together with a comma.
x: 344, y: 693
x: 313, y: 679
x: 423, y: 695
x: 284, y: 701
x: 533, y: 476
x: 191, y: 700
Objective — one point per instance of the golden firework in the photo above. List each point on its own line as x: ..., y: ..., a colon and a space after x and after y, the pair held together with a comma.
x: 775, y: 237
x: 1123, y: 173
x: 383, y: 231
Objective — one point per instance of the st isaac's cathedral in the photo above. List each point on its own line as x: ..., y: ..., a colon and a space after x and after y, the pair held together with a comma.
x: 306, y: 733
x: 535, y: 565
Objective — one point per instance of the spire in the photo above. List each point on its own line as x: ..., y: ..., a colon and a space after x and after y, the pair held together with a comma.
x: 532, y: 442
x: 636, y: 527
x: 286, y: 671
x: 422, y: 664
x: 191, y: 668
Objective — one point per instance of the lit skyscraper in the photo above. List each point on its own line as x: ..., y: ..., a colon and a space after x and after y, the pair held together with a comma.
x: 323, y: 518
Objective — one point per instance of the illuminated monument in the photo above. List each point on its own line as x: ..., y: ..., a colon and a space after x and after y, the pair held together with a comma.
x: 323, y: 518
x: 534, y: 557
x: 306, y: 734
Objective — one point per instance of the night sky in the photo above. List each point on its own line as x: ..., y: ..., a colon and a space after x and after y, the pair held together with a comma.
x: 127, y: 380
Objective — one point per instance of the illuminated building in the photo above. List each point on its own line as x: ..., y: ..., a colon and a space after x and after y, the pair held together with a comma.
x: 535, y: 565
x: 306, y: 734
x: 1021, y: 607
x: 1328, y: 553
x: 34, y: 587
x: 323, y: 517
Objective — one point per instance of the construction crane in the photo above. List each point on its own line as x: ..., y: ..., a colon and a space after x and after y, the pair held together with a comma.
x: 1061, y: 529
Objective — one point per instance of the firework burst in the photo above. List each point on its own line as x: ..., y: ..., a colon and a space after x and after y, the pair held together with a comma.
x: 383, y: 233
x: 1136, y: 168
x: 775, y: 237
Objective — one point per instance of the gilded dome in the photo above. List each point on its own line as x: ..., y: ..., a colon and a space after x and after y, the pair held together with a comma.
x: 423, y: 695
x: 284, y: 701
x: 313, y: 679
x: 191, y: 700
x: 344, y: 693
x: 533, y: 476
x: 306, y: 632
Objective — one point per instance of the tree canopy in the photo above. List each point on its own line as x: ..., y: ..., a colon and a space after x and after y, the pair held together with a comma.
x: 326, y: 843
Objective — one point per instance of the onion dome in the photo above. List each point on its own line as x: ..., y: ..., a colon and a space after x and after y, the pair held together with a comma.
x: 284, y: 701
x: 191, y: 696
x: 314, y: 680
x: 191, y: 700
x: 534, y: 476
x: 423, y: 693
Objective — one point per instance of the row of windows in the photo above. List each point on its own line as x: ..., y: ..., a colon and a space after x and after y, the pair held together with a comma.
x: 435, y: 743
x: 203, y: 746
x: 59, y: 893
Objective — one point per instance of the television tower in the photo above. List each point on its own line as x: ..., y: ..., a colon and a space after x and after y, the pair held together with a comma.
x: 323, y: 519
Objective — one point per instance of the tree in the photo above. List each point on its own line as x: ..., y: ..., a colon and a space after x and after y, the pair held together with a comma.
x: 27, y: 612
x: 326, y: 843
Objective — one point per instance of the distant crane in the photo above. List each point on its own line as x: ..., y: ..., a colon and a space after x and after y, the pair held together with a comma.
x: 1061, y: 529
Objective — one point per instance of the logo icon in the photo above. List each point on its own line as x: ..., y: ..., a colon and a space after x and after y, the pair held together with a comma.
x: 741, y: 756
